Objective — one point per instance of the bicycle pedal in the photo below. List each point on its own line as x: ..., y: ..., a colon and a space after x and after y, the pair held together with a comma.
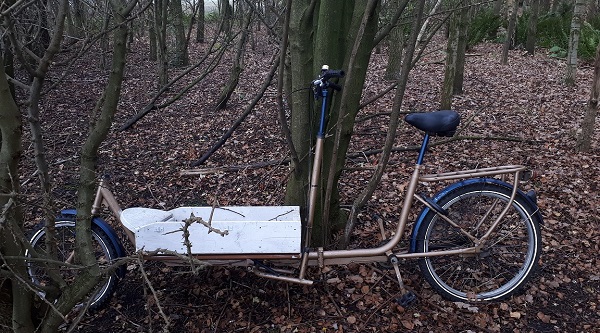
x: 407, y: 299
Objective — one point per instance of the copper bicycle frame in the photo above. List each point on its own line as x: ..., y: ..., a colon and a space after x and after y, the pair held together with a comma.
x: 323, y: 257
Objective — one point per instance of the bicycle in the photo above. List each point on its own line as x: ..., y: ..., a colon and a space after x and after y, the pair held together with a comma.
x: 476, y: 240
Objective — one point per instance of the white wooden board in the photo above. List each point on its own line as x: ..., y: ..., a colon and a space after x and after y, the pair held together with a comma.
x: 250, y: 229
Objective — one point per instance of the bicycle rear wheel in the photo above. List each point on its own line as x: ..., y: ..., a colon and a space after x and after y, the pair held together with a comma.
x: 65, y: 238
x: 504, y: 264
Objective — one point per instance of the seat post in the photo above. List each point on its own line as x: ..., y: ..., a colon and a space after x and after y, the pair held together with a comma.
x: 423, y: 149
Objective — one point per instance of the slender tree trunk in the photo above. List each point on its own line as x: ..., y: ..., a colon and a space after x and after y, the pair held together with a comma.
x: 362, y: 19
x: 180, y: 58
x: 11, y: 218
x: 578, y: 11
x: 236, y: 68
x: 426, y: 22
x: 226, y: 16
x: 77, y: 20
x: 461, y: 47
x: 104, y: 42
x: 99, y: 127
x: 584, y: 139
x: 35, y: 127
x: 395, y: 48
x: 303, y: 17
x: 200, y: 23
x: 160, y: 27
x: 153, y: 38
x: 510, y: 32
x: 451, y: 62
x: 532, y: 27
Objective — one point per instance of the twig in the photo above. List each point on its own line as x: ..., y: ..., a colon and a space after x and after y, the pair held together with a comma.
x: 28, y: 285
x: 147, y: 280
x: 275, y: 218
x: 196, y: 219
x: 5, y: 210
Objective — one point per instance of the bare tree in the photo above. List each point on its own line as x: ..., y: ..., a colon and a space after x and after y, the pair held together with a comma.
x: 13, y: 244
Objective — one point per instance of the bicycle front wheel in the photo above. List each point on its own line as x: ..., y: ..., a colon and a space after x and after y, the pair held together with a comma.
x: 103, y: 248
x: 502, y: 266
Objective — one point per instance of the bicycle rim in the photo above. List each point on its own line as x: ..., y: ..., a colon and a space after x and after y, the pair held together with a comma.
x: 505, y: 263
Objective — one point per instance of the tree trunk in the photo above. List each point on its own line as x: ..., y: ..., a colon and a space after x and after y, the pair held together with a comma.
x: 160, y: 27
x: 226, y: 13
x: 302, y: 22
x: 99, y: 127
x: 532, y: 27
x: 104, y: 42
x: 461, y: 47
x: 236, y: 67
x: 77, y: 14
x: 11, y: 217
x: 200, y: 23
x: 335, y: 44
x: 35, y: 127
x: 451, y: 62
x: 153, y: 38
x: 584, y: 139
x: 578, y: 11
x: 510, y: 31
x: 395, y: 48
x: 180, y: 58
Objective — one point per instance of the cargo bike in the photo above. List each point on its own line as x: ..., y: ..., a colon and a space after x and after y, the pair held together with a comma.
x: 478, y: 239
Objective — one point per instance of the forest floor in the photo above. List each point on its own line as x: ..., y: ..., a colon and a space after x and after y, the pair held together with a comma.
x: 520, y: 113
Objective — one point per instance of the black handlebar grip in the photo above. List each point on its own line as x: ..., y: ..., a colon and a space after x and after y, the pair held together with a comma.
x: 333, y: 73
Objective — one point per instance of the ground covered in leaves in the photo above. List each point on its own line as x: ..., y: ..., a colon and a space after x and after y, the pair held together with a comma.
x: 515, y: 114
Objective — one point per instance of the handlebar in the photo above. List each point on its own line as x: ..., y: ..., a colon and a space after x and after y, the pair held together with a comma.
x: 322, y: 82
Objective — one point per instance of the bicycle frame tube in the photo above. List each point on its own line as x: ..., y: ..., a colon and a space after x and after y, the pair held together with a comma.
x: 105, y: 197
x: 314, y: 182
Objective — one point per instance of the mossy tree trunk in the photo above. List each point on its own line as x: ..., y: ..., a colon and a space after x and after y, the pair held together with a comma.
x: 324, y: 33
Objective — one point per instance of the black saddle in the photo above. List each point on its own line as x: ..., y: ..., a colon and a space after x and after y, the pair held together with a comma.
x: 439, y: 123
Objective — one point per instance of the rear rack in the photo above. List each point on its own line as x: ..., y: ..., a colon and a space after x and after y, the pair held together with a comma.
x: 474, y: 173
